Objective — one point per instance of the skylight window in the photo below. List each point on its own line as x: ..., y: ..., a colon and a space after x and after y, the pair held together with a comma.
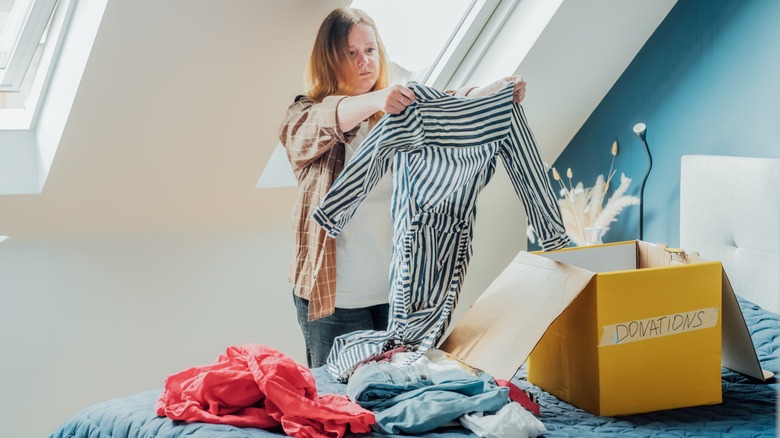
x: 34, y: 107
x: 22, y: 26
x: 415, y: 33
x: 426, y: 40
x: 29, y: 33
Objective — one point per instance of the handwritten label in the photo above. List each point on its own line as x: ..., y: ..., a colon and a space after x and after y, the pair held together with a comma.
x: 667, y: 325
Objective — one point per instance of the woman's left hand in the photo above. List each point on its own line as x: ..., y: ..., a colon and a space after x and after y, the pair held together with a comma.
x: 517, y: 95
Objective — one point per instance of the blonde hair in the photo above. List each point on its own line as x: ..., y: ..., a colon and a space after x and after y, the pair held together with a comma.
x: 329, y: 64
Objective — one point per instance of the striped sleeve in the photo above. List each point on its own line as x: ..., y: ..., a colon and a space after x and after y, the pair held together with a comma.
x: 370, y: 162
x: 526, y: 171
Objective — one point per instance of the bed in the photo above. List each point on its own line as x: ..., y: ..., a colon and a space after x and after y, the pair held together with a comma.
x: 717, y: 220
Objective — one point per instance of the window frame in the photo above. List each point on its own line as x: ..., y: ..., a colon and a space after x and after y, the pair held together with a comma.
x: 33, y: 29
x: 461, y: 42
x: 26, y: 118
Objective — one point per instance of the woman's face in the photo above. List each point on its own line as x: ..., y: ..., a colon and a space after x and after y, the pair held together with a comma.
x: 364, y: 52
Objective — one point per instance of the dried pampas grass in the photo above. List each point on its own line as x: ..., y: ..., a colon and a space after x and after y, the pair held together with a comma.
x: 583, y: 207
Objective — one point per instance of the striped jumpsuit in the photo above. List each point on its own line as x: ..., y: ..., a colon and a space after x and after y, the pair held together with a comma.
x: 443, y: 150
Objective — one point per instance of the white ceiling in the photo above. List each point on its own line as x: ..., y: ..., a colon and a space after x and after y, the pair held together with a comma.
x: 179, y: 104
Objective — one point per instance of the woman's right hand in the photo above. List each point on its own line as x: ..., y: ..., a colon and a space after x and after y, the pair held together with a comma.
x: 394, y: 99
x: 354, y: 109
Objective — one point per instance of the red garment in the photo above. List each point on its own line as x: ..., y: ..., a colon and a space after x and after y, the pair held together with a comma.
x: 520, y: 396
x: 257, y: 386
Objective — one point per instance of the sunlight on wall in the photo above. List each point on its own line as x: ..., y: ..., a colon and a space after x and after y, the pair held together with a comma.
x: 401, y: 24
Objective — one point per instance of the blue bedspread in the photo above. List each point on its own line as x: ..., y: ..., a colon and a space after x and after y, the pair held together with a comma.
x: 748, y: 408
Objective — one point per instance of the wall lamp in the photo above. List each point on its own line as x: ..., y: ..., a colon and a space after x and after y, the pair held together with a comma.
x: 640, y: 129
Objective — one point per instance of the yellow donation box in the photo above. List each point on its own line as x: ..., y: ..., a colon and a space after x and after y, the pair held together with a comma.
x: 637, y: 338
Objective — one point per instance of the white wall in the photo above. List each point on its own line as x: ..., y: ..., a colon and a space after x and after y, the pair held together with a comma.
x: 92, y: 318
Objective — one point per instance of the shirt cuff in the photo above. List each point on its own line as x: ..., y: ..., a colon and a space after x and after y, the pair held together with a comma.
x: 331, y: 227
x: 557, y: 242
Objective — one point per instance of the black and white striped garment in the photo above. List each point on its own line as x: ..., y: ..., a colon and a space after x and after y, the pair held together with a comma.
x: 443, y: 151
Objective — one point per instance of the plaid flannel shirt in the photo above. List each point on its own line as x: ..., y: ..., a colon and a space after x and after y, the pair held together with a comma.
x: 315, y: 148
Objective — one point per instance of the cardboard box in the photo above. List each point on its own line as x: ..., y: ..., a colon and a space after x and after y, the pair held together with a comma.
x: 621, y: 328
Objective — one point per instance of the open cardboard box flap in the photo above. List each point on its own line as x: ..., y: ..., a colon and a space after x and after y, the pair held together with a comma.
x: 502, y: 327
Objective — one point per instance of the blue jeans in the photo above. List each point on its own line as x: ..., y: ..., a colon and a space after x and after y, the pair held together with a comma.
x: 319, y: 334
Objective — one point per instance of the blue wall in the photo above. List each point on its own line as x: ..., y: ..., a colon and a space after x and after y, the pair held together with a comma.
x: 706, y: 82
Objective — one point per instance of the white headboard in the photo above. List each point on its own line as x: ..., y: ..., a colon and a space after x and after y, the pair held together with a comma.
x: 730, y: 211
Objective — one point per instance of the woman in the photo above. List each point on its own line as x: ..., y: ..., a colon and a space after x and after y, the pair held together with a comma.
x: 349, y: 90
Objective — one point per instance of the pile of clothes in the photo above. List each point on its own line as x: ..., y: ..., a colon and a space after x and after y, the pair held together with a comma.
x: 256, y: 386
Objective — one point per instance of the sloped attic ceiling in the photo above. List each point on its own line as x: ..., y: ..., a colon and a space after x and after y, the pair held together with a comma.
x: 176, y: 116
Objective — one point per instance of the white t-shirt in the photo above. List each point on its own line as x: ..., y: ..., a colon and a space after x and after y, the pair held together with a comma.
x: 364, y: 246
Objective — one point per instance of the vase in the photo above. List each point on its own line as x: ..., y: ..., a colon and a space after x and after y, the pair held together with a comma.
x: 592, y: 236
